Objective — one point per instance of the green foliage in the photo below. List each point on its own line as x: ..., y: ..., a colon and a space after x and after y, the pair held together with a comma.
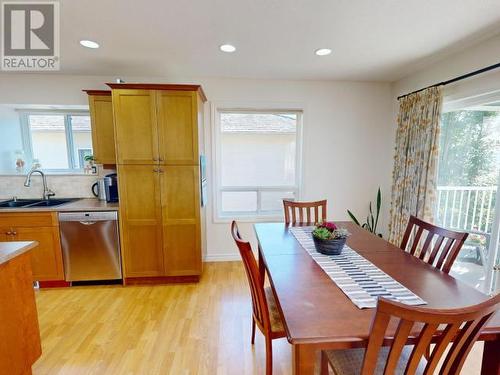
x: 467, y: 150
x: 89, y: 158
x: 371, y: 222
x: 324, y: 233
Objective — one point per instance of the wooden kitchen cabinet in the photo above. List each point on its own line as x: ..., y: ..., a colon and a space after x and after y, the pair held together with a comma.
x: 136, y: 134
x: 20, y: 344
x: 158, y: 128
x: 43, y: 227
x: 177, y: 127
x: 180, y: 203
x: 103, y: 134
x: 46, y: 258
x: 140, y: 220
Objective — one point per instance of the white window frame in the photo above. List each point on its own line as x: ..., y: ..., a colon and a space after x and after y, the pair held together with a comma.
x: 27, y: 138
x: 259, y: 215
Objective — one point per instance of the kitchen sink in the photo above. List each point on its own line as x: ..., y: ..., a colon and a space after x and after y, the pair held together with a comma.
x: 30, y: 203
x: 18, y: 203
x: 51, y: 202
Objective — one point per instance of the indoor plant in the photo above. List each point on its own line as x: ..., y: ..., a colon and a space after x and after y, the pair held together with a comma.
x: 329, y: 239
x: 371, y: 220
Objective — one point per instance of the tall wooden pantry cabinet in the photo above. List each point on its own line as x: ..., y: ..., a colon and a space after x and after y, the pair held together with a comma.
x: 159, y: 138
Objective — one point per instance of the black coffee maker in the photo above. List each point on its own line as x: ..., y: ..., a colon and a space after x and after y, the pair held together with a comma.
x: 111, y: 187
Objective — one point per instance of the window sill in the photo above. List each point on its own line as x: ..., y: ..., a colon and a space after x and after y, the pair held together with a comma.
x: 248, y: 219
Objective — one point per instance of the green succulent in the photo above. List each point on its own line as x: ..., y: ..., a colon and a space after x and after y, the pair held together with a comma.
x: 322, y: 233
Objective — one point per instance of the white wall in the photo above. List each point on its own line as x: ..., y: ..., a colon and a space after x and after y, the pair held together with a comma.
x: 347, y: 132
x: 473, y: 58
x: 10, y: 141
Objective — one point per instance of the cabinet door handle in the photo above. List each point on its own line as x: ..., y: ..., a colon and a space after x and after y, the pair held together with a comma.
x: 160, y: 159
x: 14, y: 233
x: 156, y: 159
x: 160, y: 170
x: 156, y: 170
x: 8, y: 233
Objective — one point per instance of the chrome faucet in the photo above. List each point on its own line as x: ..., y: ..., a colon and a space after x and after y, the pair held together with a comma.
x: 47, y: 193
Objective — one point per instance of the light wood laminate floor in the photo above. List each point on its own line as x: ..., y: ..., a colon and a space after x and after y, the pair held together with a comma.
x: 180, y: 329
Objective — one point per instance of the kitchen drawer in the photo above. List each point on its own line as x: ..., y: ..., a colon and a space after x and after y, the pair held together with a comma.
x: 28, y: 219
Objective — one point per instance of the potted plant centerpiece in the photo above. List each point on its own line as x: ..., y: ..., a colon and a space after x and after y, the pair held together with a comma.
x: 329, y: 239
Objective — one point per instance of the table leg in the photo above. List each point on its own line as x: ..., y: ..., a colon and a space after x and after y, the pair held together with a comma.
x: 491, y: 358
x: 304, y: 359
x: 262, y: 267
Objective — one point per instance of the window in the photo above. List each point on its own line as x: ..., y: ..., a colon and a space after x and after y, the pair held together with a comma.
x: 467, y: 191
x: 257, y: 162
x: 59, y: 141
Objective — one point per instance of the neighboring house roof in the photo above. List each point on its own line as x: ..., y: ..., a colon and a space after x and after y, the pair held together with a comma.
x: 258, y: 122
x: 56, y: 123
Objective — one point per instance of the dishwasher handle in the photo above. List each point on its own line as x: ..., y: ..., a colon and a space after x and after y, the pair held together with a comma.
x: 88, y: 222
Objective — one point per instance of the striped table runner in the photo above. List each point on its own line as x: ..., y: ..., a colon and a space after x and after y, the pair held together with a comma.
x: 359, y: 279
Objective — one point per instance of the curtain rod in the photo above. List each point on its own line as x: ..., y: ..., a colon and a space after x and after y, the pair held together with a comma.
x: 456, y: 79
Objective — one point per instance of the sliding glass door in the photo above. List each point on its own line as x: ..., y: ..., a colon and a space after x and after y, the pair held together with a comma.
x: 468, y: 196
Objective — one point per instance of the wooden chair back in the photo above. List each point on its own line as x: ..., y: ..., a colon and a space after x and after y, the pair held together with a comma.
x: 302, y: 212
x: 259, y: 302
x: 440, y: 251
x: 458, y: 327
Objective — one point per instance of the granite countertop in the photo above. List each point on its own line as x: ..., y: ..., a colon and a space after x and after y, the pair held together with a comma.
x: 84, y: 204
x: 10, y: 250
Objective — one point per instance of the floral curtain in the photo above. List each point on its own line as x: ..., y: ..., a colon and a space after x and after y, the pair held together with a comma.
x: 415, y: 160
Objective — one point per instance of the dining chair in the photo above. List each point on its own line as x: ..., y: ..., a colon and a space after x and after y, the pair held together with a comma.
x: 295, y: 211
x: 265, y: 310
x: 454, y: 332
x: 440, y: 251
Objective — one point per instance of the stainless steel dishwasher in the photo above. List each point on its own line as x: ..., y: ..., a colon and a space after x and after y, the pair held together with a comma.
x: 90, y: 245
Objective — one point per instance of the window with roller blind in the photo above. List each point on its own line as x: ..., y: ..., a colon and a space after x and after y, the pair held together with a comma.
x: 257, y: 162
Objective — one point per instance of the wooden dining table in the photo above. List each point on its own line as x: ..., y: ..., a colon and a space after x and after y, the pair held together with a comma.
x: 316, y: 313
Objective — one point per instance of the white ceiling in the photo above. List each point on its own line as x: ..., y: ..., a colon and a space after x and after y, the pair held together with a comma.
x: 381, y: 40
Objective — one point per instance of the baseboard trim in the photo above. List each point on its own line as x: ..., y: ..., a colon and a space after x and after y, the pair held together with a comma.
x: 53, y: 284
x: 161, y: 280
x: 222, y: 257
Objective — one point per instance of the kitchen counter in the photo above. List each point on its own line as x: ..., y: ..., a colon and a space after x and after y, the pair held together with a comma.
x: 11, y: 250
x: 85, y: 204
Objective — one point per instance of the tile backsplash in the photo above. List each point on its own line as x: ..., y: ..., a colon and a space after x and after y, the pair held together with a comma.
x: 65, y: 186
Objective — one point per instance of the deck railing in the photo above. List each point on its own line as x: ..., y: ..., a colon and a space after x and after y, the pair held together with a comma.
x: 466, y: 207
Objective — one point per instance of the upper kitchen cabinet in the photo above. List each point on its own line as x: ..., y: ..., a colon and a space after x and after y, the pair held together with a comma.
x: 177, y: 127
x: 157, y: 123
x: 103, y: 134
x: 136, y: 135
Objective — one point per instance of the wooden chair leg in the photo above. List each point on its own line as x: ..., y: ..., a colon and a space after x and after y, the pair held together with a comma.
x: 324, y: 363
x: 269, y: 356
x: 253, y: 330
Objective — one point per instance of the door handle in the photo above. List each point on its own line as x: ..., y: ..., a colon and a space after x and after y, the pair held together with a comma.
x: 156, y: 170
x: 156, y: 159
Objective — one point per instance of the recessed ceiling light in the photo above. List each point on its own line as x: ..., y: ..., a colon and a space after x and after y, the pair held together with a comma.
x: 323, y: 51
x: 89, y: 44
x: 227, y: 48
